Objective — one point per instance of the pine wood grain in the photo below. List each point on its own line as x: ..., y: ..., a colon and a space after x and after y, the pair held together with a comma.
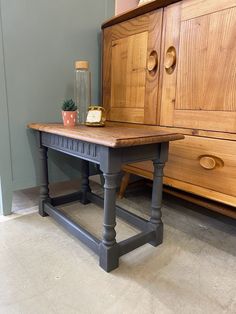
x: 201, y: 92
x: 131, y: 27
x: 198, y: 97
x: 128, y: 76
x: 194, y: 8
x: 145, y: 170
x: 170, y: 37
x: 184, y: 164
x: 106, y: 71
x: 203, y: 82
x: 223, y: 121
x: 132, y: 115
x: 130, y: 90
x: 190, y: 131
x: 151, y: 108
x: 108, y: 136
x: 137, y: 12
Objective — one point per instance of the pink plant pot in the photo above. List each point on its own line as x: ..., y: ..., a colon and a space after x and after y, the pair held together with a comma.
x: 69, y: 118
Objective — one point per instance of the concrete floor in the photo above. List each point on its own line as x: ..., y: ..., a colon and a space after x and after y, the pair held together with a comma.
x: 43, y: 269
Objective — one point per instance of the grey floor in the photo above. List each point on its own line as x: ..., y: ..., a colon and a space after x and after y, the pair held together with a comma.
x: 43, y: 269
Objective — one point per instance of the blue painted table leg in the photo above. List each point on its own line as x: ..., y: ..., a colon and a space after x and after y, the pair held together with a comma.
x: 43, y: 173
x: 85, y: 188
x: 108, y: 251
x: 156, y: 214
x: 155, y: 222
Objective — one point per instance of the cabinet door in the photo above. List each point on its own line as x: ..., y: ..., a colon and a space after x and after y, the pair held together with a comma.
x: 199, y: 68
x: 131, y: 69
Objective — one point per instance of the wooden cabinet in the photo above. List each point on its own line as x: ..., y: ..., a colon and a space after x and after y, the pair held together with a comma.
x: 199, y: 87
x: 173, y: 65
x: 131, y: 69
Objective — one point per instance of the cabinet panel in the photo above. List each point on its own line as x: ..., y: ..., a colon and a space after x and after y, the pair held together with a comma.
x: 195, y: 8
x: 128, y: 74
x: 131, y: 69
x: 199, y: 91
x: 206, y: 77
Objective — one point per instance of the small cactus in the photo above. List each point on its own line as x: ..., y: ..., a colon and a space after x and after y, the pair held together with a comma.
x: 69, y: 105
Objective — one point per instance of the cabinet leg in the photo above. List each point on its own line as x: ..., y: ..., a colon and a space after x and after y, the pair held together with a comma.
x: 124, y: 184
x: 109, y: 254
x: 44, y: 189
x: 155, y: 222
x: 85, y: 188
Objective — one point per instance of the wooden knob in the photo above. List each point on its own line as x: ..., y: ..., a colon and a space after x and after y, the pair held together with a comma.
x: 170, y: 60
x: 208, y: 162
x: 152, y: 62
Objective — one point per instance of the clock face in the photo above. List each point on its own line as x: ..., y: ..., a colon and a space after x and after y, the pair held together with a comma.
x: 94, y: 116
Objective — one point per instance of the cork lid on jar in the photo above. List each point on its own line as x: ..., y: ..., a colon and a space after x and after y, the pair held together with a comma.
x: 81, y: 65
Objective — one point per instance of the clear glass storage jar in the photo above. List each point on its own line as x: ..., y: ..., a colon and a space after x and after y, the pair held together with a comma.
x: 82, y: 89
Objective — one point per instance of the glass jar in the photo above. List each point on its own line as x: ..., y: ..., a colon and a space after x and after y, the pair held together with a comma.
x: 82, y: 89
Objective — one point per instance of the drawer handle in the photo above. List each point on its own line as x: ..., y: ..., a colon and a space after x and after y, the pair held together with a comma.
x: 170, y: 59
x: 152, y: 62
x: 210, y: 162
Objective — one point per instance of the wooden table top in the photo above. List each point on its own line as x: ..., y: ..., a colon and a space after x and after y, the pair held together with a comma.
x: 111, y: 136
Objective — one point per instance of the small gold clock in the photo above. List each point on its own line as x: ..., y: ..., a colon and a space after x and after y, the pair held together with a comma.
x: 96, y: 116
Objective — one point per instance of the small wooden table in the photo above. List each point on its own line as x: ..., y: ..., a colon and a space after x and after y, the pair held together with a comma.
x: 110, y: 147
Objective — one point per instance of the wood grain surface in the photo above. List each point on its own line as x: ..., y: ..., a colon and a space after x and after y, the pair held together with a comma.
x: 185, y: 163
x: 145, y: 170
x: 190, y: 131
x: 138, y: 11
x: 208, y: 84
x: 200, y: 92
x: 110, y: 136
x: 130, y: 90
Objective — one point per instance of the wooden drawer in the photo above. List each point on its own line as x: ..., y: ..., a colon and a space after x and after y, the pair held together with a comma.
x: 203, y: 162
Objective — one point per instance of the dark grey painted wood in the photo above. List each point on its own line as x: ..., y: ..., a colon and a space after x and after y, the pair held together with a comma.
x: 73, y: 147
x: 79, y: 232
x: 110, y: 161
x: 138, y: 222
x: 64, y: 199
x: 156, y: 223
x: 134, y: 242
x: 109, y: 258
x: 43, y: 176
x: 85, y: 188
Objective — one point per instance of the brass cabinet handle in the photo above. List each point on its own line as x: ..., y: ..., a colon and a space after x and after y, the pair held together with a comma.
x: 170, y: 59
x: 152, y: 62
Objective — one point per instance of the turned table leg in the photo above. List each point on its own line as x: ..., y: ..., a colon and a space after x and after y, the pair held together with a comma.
x: 43, y: 177
x: 108, y: 253
x: 156, y: 214
x: 85, y: 188
x: 155, y: 222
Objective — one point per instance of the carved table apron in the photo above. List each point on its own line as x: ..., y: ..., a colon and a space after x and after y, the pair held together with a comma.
x: 110, y: 160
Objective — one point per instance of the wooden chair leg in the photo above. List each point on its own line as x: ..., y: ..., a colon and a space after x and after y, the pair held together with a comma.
x: 124, y: 184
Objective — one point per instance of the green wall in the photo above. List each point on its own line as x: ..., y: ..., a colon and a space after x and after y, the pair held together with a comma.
x: 5, y: 156
x: 39, y: 43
